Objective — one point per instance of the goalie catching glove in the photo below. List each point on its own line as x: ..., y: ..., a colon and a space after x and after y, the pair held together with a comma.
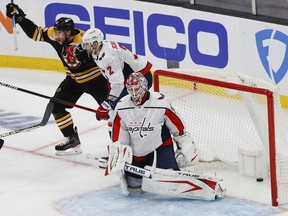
x: 187, y: 152
x: 14, y: 10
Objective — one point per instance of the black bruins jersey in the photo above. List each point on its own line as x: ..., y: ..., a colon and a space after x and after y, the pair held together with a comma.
x: 78, y: 71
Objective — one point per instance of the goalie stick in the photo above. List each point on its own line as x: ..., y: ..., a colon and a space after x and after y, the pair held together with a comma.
x: 56, y: 100
x: 44, y: 121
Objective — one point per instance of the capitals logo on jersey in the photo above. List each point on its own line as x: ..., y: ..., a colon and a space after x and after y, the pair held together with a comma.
x: 140, y: 127
x: 271, y: 44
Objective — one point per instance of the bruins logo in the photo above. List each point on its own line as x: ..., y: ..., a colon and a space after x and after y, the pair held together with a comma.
x: 68, y: 54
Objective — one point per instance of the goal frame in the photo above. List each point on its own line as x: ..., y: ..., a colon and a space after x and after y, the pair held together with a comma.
x: 270, y: 112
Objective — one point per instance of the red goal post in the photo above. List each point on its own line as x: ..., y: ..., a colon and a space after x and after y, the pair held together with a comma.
x: 195, y: 82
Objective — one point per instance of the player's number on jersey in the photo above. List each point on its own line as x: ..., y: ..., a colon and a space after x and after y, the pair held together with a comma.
x: 114, y: 46
x: 110, y: 71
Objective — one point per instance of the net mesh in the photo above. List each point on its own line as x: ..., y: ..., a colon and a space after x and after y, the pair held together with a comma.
x: 222, y: 120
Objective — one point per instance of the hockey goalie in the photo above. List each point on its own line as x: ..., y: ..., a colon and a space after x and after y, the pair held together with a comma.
x: 143, y: 153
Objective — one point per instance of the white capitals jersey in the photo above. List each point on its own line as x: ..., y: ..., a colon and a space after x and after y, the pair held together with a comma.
x: 111, y: 59
x: 148, y: 126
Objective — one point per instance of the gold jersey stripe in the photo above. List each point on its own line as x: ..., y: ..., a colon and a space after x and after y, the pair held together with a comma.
x: 36, y: 33
x: 85, y: 77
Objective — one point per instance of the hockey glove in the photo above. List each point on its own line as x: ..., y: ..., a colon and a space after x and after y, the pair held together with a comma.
x: 81, y: 54
x: 13, y: 9
x: 102, y: 113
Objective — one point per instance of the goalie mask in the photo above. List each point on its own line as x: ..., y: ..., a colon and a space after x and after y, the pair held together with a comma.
x: 137, y: 86
x: 91, y: 36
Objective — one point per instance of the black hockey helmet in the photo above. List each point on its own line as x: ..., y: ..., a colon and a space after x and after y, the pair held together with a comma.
x: 64, y: 24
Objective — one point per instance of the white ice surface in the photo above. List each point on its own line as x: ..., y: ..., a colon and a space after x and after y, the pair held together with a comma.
x: 34, y: 182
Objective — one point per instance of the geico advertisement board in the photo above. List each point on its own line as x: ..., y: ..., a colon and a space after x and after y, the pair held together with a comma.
x: 195, y: 39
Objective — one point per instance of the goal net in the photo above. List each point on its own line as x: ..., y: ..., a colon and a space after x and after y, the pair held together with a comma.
x: 227, y: 113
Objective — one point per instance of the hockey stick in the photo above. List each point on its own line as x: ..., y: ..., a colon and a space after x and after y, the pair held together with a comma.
x: 44, y: 121
x: 14, y: 30
x: 56, y: 100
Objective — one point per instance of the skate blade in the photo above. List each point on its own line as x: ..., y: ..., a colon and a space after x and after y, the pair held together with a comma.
x: 73, y: 151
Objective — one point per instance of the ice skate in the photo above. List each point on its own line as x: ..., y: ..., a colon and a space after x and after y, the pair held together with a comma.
x: 71, y: 146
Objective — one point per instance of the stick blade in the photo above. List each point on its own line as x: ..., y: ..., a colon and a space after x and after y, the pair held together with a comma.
x: 1, y: 143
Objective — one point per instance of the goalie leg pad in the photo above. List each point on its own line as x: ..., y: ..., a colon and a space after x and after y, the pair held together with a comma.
x: 182, y: 184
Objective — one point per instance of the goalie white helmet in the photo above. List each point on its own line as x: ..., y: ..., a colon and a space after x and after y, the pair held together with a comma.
x: 90, y: 36
x: 137, y: 86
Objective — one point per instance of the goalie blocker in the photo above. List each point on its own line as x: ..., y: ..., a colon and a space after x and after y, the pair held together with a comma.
x: 161, y: 181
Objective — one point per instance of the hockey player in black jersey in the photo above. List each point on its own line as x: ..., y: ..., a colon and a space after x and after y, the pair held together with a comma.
x: 81, y: 77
